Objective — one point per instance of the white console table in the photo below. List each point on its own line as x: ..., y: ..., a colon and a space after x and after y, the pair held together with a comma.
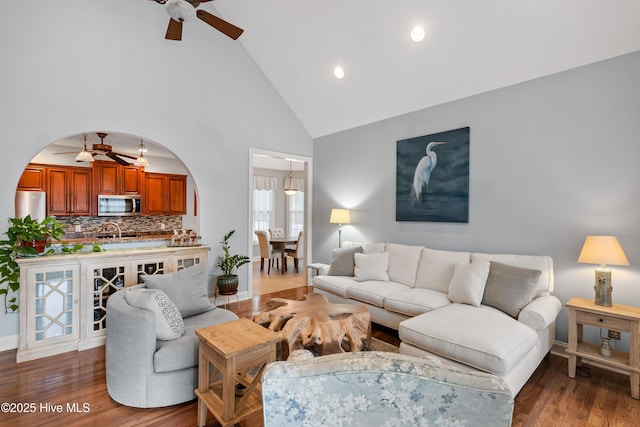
x: 63, y: 298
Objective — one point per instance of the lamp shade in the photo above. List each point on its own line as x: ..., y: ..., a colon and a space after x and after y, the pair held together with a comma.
x: 602, y: 250
x: 340, y: 216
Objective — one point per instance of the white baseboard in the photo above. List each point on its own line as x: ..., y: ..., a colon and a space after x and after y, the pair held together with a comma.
x: 9, y: 342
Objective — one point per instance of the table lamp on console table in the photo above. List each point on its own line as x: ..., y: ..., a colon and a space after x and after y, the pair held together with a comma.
x: 603, y: 250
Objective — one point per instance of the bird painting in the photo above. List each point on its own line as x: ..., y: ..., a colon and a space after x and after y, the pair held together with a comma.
x: 422, y: 174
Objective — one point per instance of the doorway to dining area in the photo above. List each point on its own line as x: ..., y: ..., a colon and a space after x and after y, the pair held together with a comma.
x: 280, y: 200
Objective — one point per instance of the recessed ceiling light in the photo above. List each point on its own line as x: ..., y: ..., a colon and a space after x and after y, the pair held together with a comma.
x: 417, y: 34
x: 338, y: 72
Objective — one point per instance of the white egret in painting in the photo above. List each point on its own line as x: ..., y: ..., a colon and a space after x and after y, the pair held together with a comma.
x: 422, y: 175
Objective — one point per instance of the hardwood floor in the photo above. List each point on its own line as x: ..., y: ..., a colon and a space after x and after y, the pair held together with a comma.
x: 550, y: 397
x: 267, y: 283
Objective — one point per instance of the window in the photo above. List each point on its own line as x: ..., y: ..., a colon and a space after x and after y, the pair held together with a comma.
x: 263, y: 203
x: 295, y: 213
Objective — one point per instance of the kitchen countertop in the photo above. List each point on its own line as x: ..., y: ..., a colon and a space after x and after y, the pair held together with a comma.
x: 88, y: 239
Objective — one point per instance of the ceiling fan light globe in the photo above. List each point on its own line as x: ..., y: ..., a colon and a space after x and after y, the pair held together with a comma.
x: 84, y: 156
x: 181, y: 10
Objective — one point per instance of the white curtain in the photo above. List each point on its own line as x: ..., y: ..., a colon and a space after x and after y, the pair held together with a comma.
x: 265, y: 183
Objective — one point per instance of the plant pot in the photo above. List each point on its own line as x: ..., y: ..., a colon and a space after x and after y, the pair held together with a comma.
x: 38, y: 245
x: 228, y: 284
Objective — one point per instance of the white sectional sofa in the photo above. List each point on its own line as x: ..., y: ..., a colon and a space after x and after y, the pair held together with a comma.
x: 492, y: 312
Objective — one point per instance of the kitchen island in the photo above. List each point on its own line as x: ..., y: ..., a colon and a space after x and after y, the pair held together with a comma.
x: 63, y: 297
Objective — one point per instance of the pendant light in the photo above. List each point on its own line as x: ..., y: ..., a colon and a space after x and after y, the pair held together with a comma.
x: 141, y: 161
x: 290, y: 190
x: 84, y: 155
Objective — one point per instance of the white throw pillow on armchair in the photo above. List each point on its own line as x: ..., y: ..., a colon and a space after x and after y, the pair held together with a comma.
x: 468, y: 283
x: 371, y: 266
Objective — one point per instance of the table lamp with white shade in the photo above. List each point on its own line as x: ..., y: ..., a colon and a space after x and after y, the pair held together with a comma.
x: 340, y: 216
x: 603, y: 250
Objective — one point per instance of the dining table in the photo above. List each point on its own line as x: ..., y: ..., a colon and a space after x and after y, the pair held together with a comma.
x: 281, y: 243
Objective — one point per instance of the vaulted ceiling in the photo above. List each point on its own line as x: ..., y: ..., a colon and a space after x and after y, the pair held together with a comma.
x: 471, y: 46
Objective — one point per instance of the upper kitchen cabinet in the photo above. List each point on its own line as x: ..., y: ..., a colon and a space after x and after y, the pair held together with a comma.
x: 113, y: 178
x: 69, y: 191
x: 165, y: 194
x: 33, y: 179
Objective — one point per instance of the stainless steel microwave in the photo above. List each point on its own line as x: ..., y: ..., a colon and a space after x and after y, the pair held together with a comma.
x: 111, y: 205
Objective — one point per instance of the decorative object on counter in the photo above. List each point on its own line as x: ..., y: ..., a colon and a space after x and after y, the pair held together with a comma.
x: 229, y: 264
x: 603, y: 250
x: 184, y: 238
x: 25, y: 237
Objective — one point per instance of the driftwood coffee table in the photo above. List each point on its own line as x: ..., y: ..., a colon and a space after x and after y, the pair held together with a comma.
x: 315, y: 324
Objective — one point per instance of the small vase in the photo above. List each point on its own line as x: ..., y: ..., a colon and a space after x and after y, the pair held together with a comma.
x: 228, y: 284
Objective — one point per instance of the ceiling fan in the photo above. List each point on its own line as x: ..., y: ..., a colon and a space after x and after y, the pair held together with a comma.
x: 101, y: 149
x: 186, y: 10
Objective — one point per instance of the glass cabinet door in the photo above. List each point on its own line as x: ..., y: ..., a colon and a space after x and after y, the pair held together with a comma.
x: 53, y: 312
x: 106, y: 280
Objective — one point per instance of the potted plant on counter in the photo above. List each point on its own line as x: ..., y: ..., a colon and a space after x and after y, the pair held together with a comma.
x: 229, y: 264
x: 25, y: 237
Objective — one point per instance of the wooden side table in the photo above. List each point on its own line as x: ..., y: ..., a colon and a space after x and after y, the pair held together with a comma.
x: 233, y: 349
x: 619, y: 318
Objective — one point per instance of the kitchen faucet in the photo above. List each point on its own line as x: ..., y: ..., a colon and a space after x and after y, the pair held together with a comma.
x: 109, y: 224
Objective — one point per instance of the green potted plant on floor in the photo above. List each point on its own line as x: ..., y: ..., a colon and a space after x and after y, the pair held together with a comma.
x: 229, y: 264
x: 25, y: 237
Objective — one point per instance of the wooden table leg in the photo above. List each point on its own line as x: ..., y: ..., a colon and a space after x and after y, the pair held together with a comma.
x: 229, y: 389
x: 634, y: 359
x: 203, y: 387
x: 573, y: 342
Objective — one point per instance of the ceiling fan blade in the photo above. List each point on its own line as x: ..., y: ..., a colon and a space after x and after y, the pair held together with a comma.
x: 220, y: 24
x: 117, y: 159
x: 125, y: 155
x: 174, y: 30
x: 69, y: 152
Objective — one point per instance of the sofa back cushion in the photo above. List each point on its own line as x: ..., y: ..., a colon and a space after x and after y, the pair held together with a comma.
x: 342, y: 261
x: 536, y: 262
x: 403, y: 263
x: 437, y: 267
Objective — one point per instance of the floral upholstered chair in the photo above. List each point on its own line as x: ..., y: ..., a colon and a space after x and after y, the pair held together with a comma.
x: 380, y: 389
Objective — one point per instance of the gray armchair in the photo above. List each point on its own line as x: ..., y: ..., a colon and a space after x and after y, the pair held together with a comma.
x: 145, y: 372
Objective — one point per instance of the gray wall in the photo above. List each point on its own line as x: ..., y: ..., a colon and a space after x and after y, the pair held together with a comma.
x: 84, y: 66
x: 551, y: 161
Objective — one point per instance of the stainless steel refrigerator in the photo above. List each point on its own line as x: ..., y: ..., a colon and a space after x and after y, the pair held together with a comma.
x: 32, y: 203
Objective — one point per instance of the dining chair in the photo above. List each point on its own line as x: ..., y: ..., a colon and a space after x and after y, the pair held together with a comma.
x: 297, y: 252
x: 266, y: 251
x: 276, y: 232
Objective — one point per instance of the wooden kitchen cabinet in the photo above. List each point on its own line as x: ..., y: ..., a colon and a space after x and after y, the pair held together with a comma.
x: 165, y: 194
x: 113, y: 178
x: 33, y: 179
x: 69, y: 191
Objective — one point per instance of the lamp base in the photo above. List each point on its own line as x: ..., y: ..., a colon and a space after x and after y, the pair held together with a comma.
x: 603, y: 288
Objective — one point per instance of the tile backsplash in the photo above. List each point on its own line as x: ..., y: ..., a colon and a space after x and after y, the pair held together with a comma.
x: 93, y: 224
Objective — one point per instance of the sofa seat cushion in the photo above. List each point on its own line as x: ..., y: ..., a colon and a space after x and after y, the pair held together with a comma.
x: 334, y: 284
x: 482, y: 337
x: 413, y: 302
x: 373, y: 292
x: 182, y: 353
